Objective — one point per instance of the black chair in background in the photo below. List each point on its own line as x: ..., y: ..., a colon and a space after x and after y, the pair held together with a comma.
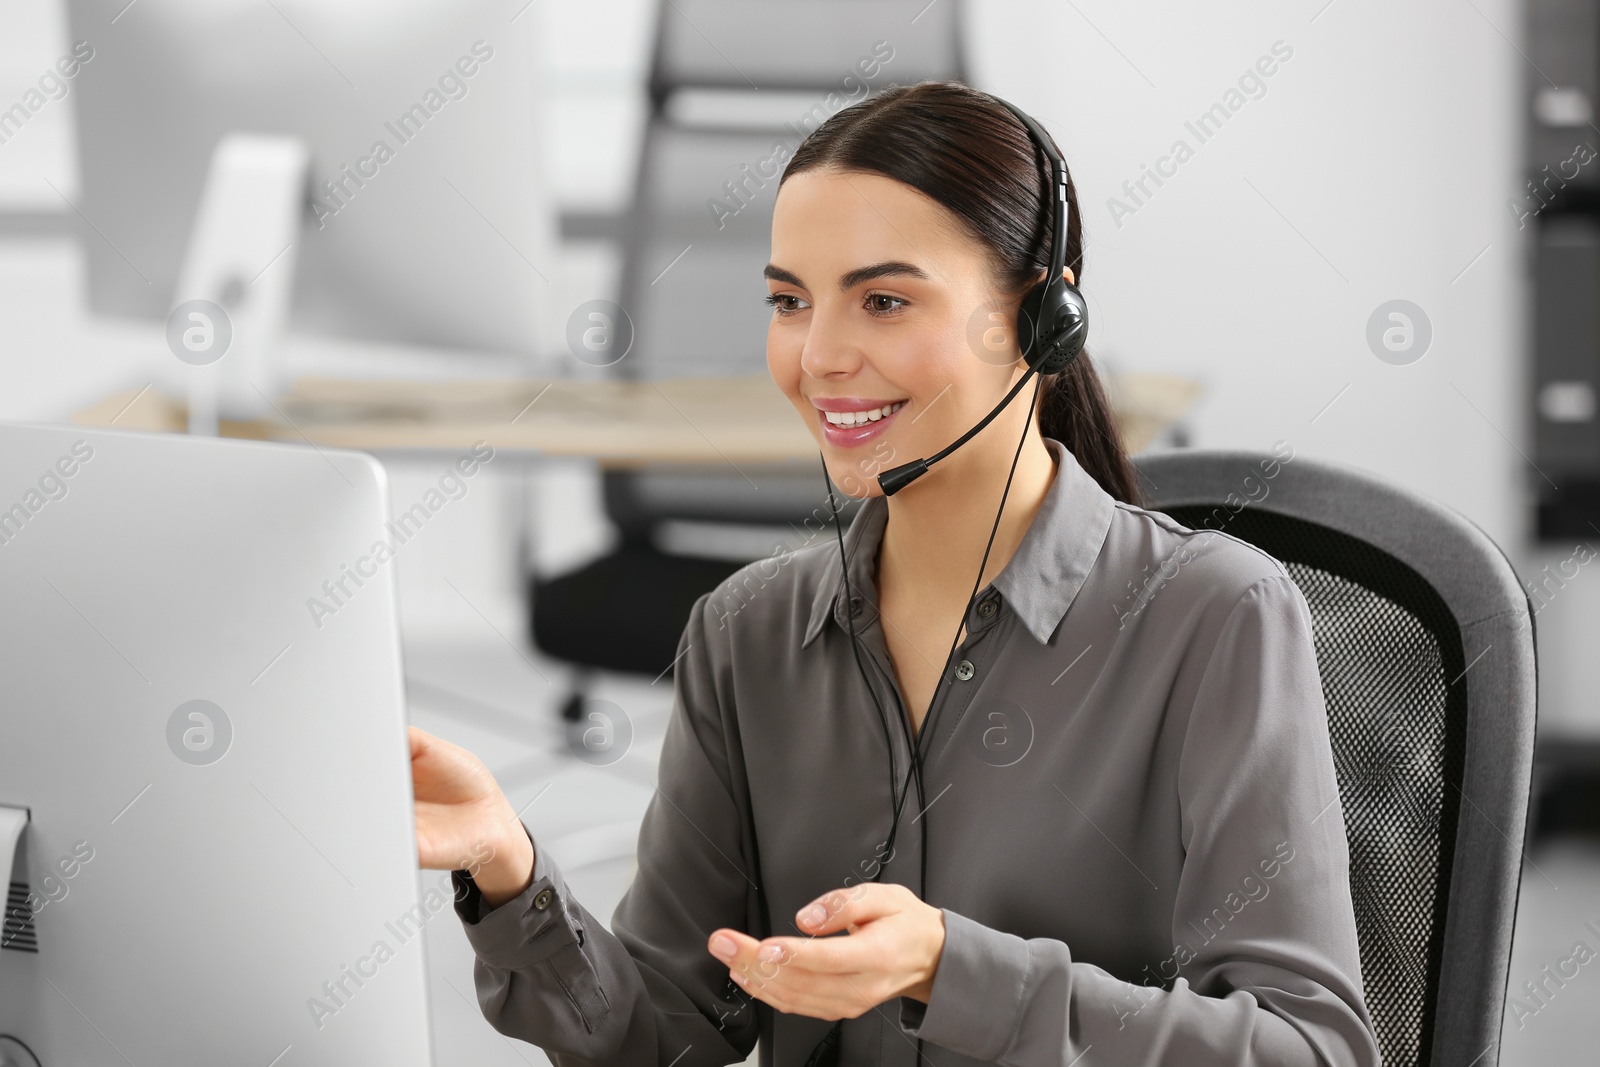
x: 1425, y: 643
x: 730, y: 81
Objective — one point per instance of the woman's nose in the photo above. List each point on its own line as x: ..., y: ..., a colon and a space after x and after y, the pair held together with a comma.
x: 831, y: 347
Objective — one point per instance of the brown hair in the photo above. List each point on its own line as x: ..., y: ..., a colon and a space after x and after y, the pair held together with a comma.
x: 966, y: 151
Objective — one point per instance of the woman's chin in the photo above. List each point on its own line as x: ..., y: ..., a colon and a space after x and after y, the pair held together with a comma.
x: 854, y: 479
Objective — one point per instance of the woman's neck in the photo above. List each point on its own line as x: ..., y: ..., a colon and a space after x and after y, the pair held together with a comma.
x: 938, y: 527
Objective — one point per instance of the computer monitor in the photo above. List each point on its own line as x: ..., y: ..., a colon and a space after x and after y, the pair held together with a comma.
x: 219, y: 863
x: 443, y: 237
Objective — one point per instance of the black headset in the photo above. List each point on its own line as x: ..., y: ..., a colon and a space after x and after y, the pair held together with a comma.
x: 1052, y: 325
x: 1052, y: 322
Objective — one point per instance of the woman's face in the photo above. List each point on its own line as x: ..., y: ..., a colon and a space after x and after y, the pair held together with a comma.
x: 887, y: 333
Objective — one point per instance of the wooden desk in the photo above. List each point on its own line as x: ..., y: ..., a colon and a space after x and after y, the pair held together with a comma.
x: 621, y: 424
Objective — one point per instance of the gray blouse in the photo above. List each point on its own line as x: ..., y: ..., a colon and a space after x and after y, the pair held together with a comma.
x: 1133, y: 821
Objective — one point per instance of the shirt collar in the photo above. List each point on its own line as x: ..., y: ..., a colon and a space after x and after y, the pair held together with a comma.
x: 1039, y: 582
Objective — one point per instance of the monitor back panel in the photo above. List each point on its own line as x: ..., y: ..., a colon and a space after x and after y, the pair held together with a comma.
x: 202, y: 705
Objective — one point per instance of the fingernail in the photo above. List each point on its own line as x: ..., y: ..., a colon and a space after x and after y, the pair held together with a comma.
x: 813, y: 915
x: 723, y: 948
x: 769, y: 953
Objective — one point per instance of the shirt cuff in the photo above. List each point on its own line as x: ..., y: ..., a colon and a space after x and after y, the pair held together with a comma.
x: 978, y: 989
x: 528, y: 928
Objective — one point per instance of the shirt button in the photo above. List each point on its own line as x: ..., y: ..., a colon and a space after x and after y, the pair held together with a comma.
x: 987, y: 609
x: 965, y: 670
x: 543, y: 899
x: 855, y: 605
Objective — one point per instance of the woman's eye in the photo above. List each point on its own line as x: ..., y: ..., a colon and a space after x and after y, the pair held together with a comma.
x: 786, y: 303
x: 883, y: 303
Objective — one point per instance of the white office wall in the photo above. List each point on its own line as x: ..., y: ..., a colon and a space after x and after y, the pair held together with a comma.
x: 1375, y: 165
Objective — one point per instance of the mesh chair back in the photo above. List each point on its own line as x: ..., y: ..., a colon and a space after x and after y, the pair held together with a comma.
x: 1425, y: 643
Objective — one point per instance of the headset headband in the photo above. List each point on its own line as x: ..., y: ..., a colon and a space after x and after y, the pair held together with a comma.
x: 1058, y: 172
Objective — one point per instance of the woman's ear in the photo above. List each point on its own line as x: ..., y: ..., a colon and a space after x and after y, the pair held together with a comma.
x: 1066, y: 272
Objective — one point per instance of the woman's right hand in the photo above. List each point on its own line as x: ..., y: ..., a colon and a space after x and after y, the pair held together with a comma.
x: 464, y: 821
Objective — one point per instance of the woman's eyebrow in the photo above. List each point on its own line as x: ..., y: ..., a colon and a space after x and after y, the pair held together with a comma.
x: 893, y: 268
x: 778, y: 274
x: 848, y: 281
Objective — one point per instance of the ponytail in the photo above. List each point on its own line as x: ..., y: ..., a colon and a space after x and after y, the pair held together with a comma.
x: 1074, y: 410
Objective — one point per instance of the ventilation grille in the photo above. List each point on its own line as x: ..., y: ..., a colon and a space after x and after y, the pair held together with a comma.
x: 16, y: 932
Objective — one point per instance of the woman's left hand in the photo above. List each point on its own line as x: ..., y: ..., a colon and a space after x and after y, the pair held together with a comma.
x: 893, y: 949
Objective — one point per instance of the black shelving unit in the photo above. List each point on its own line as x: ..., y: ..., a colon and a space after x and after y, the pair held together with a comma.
x: 1560, y: 206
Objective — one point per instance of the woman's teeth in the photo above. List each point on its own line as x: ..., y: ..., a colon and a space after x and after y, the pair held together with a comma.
x: 857, y: 418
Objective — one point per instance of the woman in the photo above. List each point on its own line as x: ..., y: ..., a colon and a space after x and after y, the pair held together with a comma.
x: 1134, y: 849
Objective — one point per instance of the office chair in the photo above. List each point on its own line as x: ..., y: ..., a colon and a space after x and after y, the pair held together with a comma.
x: 698, y: 234
x: 1425, y: 643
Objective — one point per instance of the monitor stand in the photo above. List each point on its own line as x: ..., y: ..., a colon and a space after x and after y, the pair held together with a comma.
x: 237, y: 278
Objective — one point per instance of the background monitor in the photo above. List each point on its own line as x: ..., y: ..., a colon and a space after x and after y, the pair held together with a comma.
x: 444, y: 237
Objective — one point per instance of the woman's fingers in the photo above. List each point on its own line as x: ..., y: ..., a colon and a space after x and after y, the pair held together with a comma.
x: 446, y: 773
x: 820, y: 997
x: 791, y: 987
x: 833, y: 977
x: 844, y: 909
x: 852, y: 955
x: 459, y: 806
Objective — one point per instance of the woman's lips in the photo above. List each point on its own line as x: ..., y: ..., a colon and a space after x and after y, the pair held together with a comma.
x: 850, y: 436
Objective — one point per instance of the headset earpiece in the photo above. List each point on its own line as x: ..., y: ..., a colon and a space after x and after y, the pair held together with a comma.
x: 1052, y: 325
x: 1053, y: 321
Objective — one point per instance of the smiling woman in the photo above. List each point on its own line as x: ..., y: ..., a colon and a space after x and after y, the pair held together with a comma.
x: 1090, y: 788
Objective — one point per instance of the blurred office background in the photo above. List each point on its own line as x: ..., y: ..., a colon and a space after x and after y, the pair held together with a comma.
x: 1389, y: 156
